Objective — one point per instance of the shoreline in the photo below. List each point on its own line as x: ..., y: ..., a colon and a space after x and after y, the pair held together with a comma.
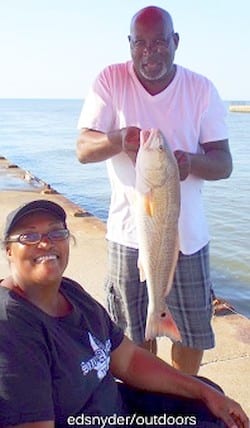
x: 228, y: 363
x: 239, y: 108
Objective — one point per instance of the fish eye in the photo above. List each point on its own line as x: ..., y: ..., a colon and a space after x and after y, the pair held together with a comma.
x: 161, y: 147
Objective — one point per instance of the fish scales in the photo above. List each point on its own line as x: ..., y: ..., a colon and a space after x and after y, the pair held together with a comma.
x: 157, y: 214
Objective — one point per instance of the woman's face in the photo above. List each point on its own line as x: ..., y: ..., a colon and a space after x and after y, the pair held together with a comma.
x: 41, y: 263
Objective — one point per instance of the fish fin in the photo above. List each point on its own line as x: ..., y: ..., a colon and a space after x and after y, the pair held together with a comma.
x: 149, y: 203
x: 162, y: 325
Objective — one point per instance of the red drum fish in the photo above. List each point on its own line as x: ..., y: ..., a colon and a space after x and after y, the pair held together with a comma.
x: 157, y: 213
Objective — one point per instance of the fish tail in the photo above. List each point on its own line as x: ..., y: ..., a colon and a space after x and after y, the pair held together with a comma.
x: 161, y: 325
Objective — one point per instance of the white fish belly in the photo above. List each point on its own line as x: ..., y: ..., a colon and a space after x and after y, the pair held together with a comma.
x: 158, y: 242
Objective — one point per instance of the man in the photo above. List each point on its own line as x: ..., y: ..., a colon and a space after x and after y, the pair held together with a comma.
x: 151, y: 91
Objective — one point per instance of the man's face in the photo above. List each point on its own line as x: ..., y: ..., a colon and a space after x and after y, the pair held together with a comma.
x: 153, y: 44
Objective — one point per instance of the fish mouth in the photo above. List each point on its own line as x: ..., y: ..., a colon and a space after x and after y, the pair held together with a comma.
x: 45, y: 258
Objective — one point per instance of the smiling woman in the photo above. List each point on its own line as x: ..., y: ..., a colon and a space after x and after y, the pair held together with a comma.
x: 56, y: 336
x: 37, y: 249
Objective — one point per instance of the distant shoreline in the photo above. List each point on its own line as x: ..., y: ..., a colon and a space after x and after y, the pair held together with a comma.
x: 241, y: 108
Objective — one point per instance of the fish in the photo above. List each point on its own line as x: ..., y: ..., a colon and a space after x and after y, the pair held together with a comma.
x: 157, y: 209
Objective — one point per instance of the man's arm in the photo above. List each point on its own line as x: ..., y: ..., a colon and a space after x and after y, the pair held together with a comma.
x: 96, y: 146
x: 214, y: 164
x: 140, y: 368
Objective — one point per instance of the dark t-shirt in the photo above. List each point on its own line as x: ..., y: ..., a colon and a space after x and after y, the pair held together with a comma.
x: 55, y: 367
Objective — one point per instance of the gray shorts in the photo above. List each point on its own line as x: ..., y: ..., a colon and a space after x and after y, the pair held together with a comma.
x: 190, y: 299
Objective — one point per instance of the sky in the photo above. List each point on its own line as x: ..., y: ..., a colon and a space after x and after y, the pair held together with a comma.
x: 55, y: 48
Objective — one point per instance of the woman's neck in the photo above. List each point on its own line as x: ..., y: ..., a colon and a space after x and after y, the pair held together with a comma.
x: 47, y: 298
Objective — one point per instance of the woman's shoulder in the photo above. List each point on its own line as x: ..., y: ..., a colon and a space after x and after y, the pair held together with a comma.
x: 70, y: 285
x: 82, y: 298
x: 77, y: 291
x: 4, y: 300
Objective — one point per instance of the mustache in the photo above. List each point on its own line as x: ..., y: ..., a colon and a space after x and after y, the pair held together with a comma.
x: 151, y: 58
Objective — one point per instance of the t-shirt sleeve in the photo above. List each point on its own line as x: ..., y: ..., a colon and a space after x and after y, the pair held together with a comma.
x: 24, y: 374
x: 213, y: 123
x: 115, y: 332
x: 97, y: 111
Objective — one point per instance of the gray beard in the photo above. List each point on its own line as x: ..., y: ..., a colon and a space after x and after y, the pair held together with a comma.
x: 152, y: 78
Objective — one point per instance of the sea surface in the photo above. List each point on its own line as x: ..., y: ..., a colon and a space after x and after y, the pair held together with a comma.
x: 40, y: 136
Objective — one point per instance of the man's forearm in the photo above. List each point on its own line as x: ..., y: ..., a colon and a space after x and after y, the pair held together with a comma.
x: 214, y: 165
x: 95, y: 146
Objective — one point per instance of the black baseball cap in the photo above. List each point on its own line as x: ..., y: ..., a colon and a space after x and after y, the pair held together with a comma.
x: 28, y: 208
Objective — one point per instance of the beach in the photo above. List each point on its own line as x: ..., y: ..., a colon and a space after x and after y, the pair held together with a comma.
x: 228, y: 363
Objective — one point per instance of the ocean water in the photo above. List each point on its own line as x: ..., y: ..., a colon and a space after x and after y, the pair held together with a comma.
x: 40, y: 136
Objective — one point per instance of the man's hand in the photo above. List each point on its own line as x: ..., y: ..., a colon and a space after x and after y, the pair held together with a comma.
x: 184, y: 163
x: 131, y: 141
x: 215, y: 163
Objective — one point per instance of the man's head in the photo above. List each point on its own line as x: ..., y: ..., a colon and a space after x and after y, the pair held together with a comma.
x: 153, y: 43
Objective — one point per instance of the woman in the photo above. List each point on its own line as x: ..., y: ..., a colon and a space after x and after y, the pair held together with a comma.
x: 60, y: 353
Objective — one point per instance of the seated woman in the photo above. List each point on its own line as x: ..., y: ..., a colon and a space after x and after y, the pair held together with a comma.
x: 61, y: 355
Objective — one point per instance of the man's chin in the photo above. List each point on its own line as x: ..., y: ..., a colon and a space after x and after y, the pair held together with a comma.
x: 152, y: 76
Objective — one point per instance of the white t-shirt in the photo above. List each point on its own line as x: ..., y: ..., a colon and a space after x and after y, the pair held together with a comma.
x: 189, y: 112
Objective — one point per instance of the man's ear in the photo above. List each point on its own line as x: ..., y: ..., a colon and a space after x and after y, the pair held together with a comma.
x: 176, y: 40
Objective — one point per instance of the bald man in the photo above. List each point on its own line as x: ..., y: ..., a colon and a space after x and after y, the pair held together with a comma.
x: 152, y: 91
